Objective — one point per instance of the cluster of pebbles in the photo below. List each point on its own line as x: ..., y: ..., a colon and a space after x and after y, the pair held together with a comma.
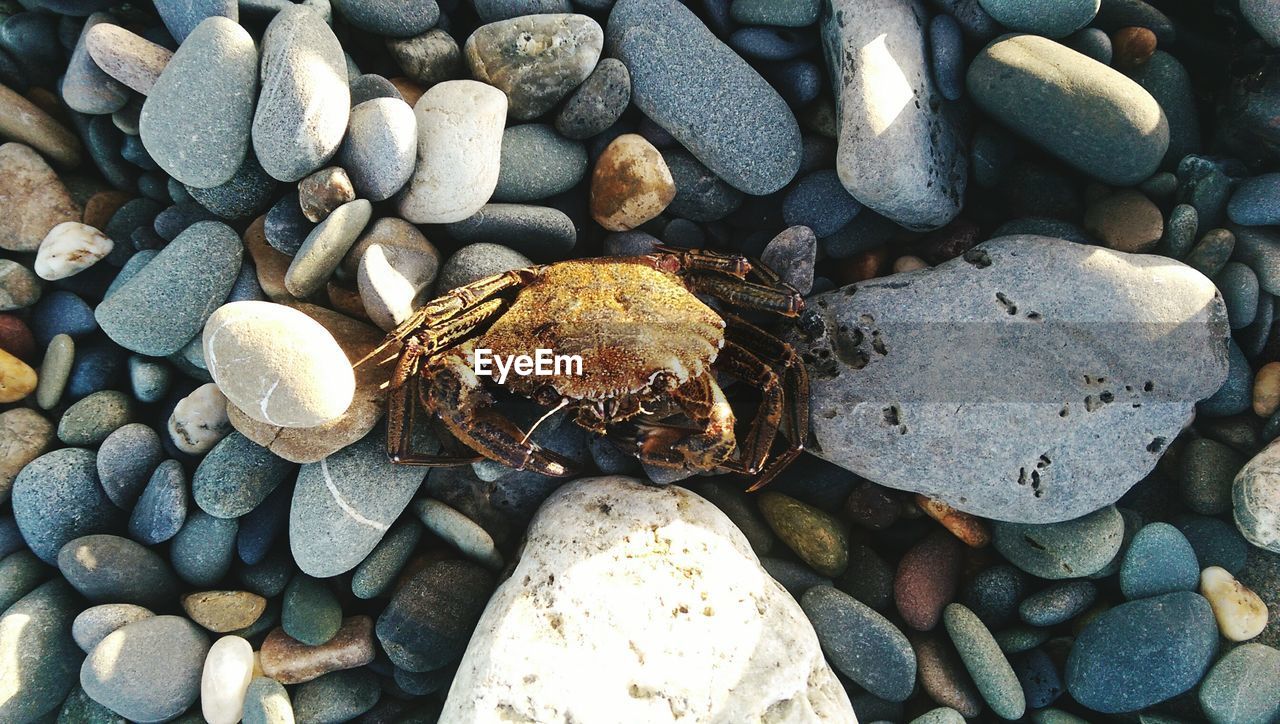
x: 210, y: 210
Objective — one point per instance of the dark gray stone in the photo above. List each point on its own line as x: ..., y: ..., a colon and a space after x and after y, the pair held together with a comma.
x: 57, y: 497
x: 236, y: 476
x: 394, y: 18
x: 111, y: 569
x: 380, y: 147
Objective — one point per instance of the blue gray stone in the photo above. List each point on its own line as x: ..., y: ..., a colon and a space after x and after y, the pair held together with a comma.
x: 57, y: 497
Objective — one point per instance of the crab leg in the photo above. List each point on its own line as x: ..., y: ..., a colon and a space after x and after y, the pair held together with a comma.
x: 405, y: 382
x: 739, y: 362
x: 704, y: 447
x: 704, y: 260
x: 458, y: 397
x: 779, y: 298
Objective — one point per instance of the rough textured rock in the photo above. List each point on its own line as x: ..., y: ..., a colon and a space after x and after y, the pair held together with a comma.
x: 1255, y: 497
x: 898, y: 152
x: 535, y: 59
x: 972, y: 411
x: 683, y: 620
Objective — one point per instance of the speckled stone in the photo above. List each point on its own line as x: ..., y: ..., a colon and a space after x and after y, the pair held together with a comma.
x: 1070, y: 549
x: 985, y: 662
x: 111, y: 569
x: 817, y: 537
x: 1243, y: 686
x: 535, y: 59
x: 537, y: 163
x: 322, y: 251
x: 236, y: 476
x: 126, y: 459
x: 1255, y: 495
x: 861, y: 643
x: 24, y: 436
x: 38, y: 657
x: 380, y: 147
x: 598, y: 103
x: 203, y: 549
x: 35, y: 198
x: 57, y: 497
x: 463, y: 533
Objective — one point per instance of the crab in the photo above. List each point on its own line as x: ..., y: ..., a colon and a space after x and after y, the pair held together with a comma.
x: 650, y: 351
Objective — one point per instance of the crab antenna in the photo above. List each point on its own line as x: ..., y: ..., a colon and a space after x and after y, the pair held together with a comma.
x: 550, y: 412
x: 376, y: 351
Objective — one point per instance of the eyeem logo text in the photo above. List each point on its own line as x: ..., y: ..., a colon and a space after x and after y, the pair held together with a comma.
x: 542, y: 363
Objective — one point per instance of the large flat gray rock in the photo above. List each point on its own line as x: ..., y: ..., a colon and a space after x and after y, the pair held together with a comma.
x: 1032, y: 380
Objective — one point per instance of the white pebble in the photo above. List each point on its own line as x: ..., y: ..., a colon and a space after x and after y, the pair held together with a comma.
x: 70, y: 248
x: 1241, y: 613
x: 199, y: 420
x: 228, y: 669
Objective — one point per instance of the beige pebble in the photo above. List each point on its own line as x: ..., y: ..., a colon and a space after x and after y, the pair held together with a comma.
x: 199, y: 421
x: 1125, y: 221
x: 32, y: 196
x: 631, y: 184
x: 69, y: 248
x: 909, y: 263
x: 223, y: 611
x: 24, y: 121
x: 129, y: 58
x: 1266, y: 389
x: 228, y: 669
x: 289, y: 661
x: 1241, y: 613
x: 269, y: 263
x: 17, y: 379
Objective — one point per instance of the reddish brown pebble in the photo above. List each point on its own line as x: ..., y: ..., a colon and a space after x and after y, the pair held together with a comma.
x: 346, y: 300
x: 1132, y: 47
x: 972, y: 531
x: 631, y: 184
x: 25, y: 122
x: 943, y: 677
x: 32, y: 197
x: 872, y: 506
x: 861, y: 267
x: 926, y: 580
x: 323, y: 191
x: 289, y: 661
x: 269, y: 263
x: 16, y: 338
x: 948, y: 242
x: 411, y: 90
x: 100, y: 207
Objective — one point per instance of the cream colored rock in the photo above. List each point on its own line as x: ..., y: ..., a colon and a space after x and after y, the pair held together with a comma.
x: 631, y: 184
x: 17, y: 379
x: 908, y: 263
x: 199, y: 420
x: 460, y: 126
x: 1255, y: 499
x: 69, y: 248
x: 1241, y: 613
x: 224, y: 611
x: 651, y: 602
x: 277, y: 365
x: 228, y: 669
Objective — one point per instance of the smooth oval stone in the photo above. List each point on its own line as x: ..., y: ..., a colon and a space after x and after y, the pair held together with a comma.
x: 537, y: 163
x: 243, y: 196
x: 19, y: 286
x: 1058, y: 604
x: 91, y: 420
x: 149, y: 379
x: 20, y: 574
x: 1079, y: 110
x: 535, y: 59
x: 57, y: 497
x: 1255, y: 495
x: 946, y: 39
x: 322, y: 251
x: 1208, y: 468
x: 705, y: 95
x: 127, y: 57
x: 897, y: 153
x: 339, y: 696
x: 994, y: 593
x: 431, y: 616
x: 380, y: 147
x: 1243, y: 686
x: 388, y: 17
x: 700, y: 194
x: 195, y: 121
x: 277, y: 365
x: 162, y: 508
x: 167, y: 302
x: 382, y: 566
x: 1070, y: 549
x: 816, y: 536
x: 203, y: 549
x: 477, y: 261
x: 1158, y: 560
x: 861, y: 643
x: 1254, y: 202
x: 1142, y: 652
x: 598, y: 103
x: 149, y: 670
x: 236, y: 476
x: 820, y: 202
x: 459, y: 152
x: 38, y: 657
x: 126, y: 459
x: 111, y: 569
x: 36, y: 199
x: 94, y: 623
x: 1053, y: 21
x: 345, y: 503
x: 926, y: 579
x: 540, y: 232
x: 310, y: 613
x: 228, y: 669
x: 463, y: 533
x: 947, y: 411
x: 24, y: 122
x: 303, y: 108
x: 1239, y: 287
x: 267, y: 702
x: 985, y: 662
x: 85, y: 87
x: 1169, y: 83
x: 183, y: 17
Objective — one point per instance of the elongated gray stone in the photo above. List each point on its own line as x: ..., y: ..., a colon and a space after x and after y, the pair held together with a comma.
x: 38, y: 657
x: 85, y: 87
x: 991, y: 381
x: 705, y: 95
x: 303, y: 108
x: 195, y: 121
x: 899, y: 152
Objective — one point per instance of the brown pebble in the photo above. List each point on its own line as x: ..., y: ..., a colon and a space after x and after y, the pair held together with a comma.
x: 346, y: 300
x: 33, y: 198
x: 1266, y: 389
x: 926, y: 579
x: 1125, y: 221
x: 970, y: 529
x: 1132, y: 47
x: 943, y: 677
x: 224, y: 611
x: 290, y: 661
x: 813, y: 534
x: 100, y: 207
x: 872, y: 506
x: 17, y: 379
x: 861, y: 266
x: 128, y: 57
x: 16, y: 338
x: 323, y: 191
x: 631, y: 184
x: 23, y: 121
x: 411, y: 90
x: 948, y: 242
x: 270, y: 264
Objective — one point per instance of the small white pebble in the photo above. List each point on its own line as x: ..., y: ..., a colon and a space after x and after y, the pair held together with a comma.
x: 69, y: 248
x: 908, y: 263
x: 200, y: 420
x: 1241, y: 613
x: 228, y: 669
